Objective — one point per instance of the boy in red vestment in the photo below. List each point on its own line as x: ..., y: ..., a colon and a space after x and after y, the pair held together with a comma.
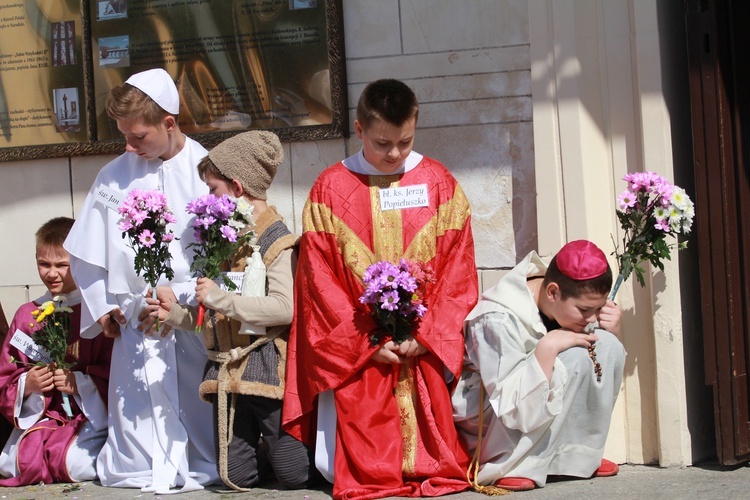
x: 53, y: 440
x: 394, y: 434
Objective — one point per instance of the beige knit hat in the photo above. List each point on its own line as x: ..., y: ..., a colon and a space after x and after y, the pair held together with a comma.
x: 251, y: 158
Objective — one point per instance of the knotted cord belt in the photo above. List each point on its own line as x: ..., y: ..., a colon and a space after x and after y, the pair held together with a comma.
x: 473, y: 471
x: 226, y: 426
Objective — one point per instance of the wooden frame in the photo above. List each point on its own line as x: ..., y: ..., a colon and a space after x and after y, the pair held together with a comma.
x: 257, y: 64
x: 717, y: 42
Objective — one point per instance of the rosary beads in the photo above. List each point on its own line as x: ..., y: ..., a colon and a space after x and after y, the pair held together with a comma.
x: 597, y: 366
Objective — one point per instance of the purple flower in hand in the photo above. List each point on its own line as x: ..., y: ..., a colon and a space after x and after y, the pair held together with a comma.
x: 395, y: 295
x: 229, y: 233
x: 389, y: 300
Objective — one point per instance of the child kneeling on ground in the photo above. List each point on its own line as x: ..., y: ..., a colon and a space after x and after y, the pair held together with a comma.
x: 546, y: 386
x: 59, y: 414
x: 244, y: 376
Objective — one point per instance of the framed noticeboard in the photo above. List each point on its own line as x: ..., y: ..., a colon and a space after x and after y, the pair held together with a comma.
x: 238, y: 65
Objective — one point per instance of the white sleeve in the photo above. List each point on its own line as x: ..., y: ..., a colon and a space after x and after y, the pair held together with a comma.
x: 518, y: 390
x: 185, y: 292
x: 28, y: 410
x: 97, y: 301
x: 90, y: 401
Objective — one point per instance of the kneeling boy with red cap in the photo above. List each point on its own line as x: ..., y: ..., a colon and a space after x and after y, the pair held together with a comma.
x: 546, y: 385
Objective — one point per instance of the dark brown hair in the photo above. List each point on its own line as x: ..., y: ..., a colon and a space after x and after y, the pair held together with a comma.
x: 207, y: 167
x: 391, y: 101
x: 54, y: 231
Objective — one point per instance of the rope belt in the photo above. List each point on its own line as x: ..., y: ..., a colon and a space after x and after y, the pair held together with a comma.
x: 473, y: 471
x: 226, y: 426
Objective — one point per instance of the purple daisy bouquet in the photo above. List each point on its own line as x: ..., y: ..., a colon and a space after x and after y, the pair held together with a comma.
x: 217, y: 227
x: 145, y: 216
x: 651, y: 208
x: 395, y: 294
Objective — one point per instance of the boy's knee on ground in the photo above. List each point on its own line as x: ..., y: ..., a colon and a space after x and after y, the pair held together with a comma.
x: 243, y: 473
x: 291, y: 463
x: 247, y: 465
x: 576, y: 360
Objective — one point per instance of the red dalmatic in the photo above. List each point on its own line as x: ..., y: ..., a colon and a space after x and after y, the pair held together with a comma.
x: 395, y: 434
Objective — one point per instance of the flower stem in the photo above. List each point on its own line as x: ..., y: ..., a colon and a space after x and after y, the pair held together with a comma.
x: 618, y: 282
x: 66, y: 405
x: 201, y: 315
x: 153, y: 296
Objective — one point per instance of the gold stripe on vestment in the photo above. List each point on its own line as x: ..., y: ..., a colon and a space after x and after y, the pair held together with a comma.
x: 406, y: 398
x: 318, y: 217
x: 451, y: 215
x: 387, y: 227
x: 74, y: 350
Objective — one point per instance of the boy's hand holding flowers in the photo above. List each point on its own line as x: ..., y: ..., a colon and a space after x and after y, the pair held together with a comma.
x: 393, y: 353
x: 38, y: 379
x: 203, y: 289
x: 160, y: 307
x: 609, y: 318
x: 65, y: 381
x: 145, y: 216
x: 220, y: 229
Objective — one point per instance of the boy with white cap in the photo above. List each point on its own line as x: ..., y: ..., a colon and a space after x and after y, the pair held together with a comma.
x: 546, y: 386
x: 245, y: 372
x: 159, y: 432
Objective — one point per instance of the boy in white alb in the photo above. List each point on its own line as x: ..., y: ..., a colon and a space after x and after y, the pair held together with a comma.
x: 160, y: 432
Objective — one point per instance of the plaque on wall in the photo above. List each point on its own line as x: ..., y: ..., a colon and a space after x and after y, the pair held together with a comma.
x: 238, y: 65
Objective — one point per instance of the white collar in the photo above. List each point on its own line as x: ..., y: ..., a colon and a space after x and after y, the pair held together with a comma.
x: 359, y: 165
x: 72, y: 298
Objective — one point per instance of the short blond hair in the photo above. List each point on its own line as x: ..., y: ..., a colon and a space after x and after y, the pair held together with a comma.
x: 126, y: 101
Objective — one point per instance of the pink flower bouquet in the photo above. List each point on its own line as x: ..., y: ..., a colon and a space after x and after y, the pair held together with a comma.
x: 395, y: 294
x: 651, y: 209
x: 145, y: 217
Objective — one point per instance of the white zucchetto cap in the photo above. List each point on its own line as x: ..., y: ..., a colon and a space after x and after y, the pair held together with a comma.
x: 159, y: 86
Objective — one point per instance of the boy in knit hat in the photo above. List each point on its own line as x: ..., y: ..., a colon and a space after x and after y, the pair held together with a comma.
x: 244, y: 375
x: 545, y: 385
x: 158, y: 436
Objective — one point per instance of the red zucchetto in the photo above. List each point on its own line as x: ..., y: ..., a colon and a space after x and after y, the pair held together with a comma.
x: 581, y: 260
